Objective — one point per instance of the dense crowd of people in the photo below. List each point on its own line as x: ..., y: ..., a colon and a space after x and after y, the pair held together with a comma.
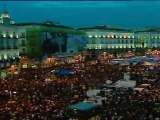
x: 31, y: 97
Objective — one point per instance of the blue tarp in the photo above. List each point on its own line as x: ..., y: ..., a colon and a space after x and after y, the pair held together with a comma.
x: 66, y: 72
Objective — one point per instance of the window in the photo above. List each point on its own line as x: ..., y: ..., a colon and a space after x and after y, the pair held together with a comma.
x: 23, y: 42
x: 23, y: 35
x: 7, y: 35
x: 23, y: 50
x: 118, y: 41
x: 122, y: 41
x: 14, y: 35
x: 102, y: 41
x: 126, y: 41
x: 93, y: 42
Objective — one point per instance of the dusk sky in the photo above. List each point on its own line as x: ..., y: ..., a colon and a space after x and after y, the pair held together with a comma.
x: 130, y: 14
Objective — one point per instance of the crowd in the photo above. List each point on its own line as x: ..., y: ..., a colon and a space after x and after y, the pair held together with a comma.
x: 33, y: 98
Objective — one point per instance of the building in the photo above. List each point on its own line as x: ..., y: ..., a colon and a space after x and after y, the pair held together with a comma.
x: 104, y: 37
x: 12, y: 39
x: 11, y: 43
x: 45, y: 39
x: 148, y: 38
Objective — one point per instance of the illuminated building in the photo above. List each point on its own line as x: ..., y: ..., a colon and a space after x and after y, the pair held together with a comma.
x: 109, y: 38
x: 12, y: 43
x: 148, y: 38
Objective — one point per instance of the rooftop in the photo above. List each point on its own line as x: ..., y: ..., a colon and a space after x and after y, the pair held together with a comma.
x: 106, y: 27
x: 48, y: 24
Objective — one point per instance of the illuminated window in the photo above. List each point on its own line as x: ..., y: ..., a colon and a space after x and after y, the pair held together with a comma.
x: 120, y: 36
x: 156, y: 37
x: 4, y: 35
x: 108, y: 36
x: 11, y: 35
x: 96, y: 36
x: 104, y: 36
x: 112, y: 36
x: 129, y: 37
x: 16, y: 36
x: 90, y: 36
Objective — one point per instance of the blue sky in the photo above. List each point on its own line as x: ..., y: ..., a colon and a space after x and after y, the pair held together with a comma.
x: 130, y: 14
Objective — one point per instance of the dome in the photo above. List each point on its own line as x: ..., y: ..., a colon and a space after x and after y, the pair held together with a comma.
x: 5, y: 14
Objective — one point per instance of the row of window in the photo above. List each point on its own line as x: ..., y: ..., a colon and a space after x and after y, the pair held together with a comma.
x: 121, y: 36
x: 104, y: 47
x: 7, y: 56
x: 116, y: 47
x: 11, y: 35
x: 110, y: 41
x: 119, y: 41
x: 111, y: 36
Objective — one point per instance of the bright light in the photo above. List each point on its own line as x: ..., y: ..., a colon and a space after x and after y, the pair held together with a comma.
x: 112, y: 36
x: 104, y: 36
x: 4, y: 35
x: 108, y: 36
x: 16, y: 36
x: 11, y: 35
x: 90, y: 36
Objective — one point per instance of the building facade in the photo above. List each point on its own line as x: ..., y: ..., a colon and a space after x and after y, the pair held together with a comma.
x: 106, y: 38
x: 109, y: 40
x: 46, y: 38
x: 10, y: 43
